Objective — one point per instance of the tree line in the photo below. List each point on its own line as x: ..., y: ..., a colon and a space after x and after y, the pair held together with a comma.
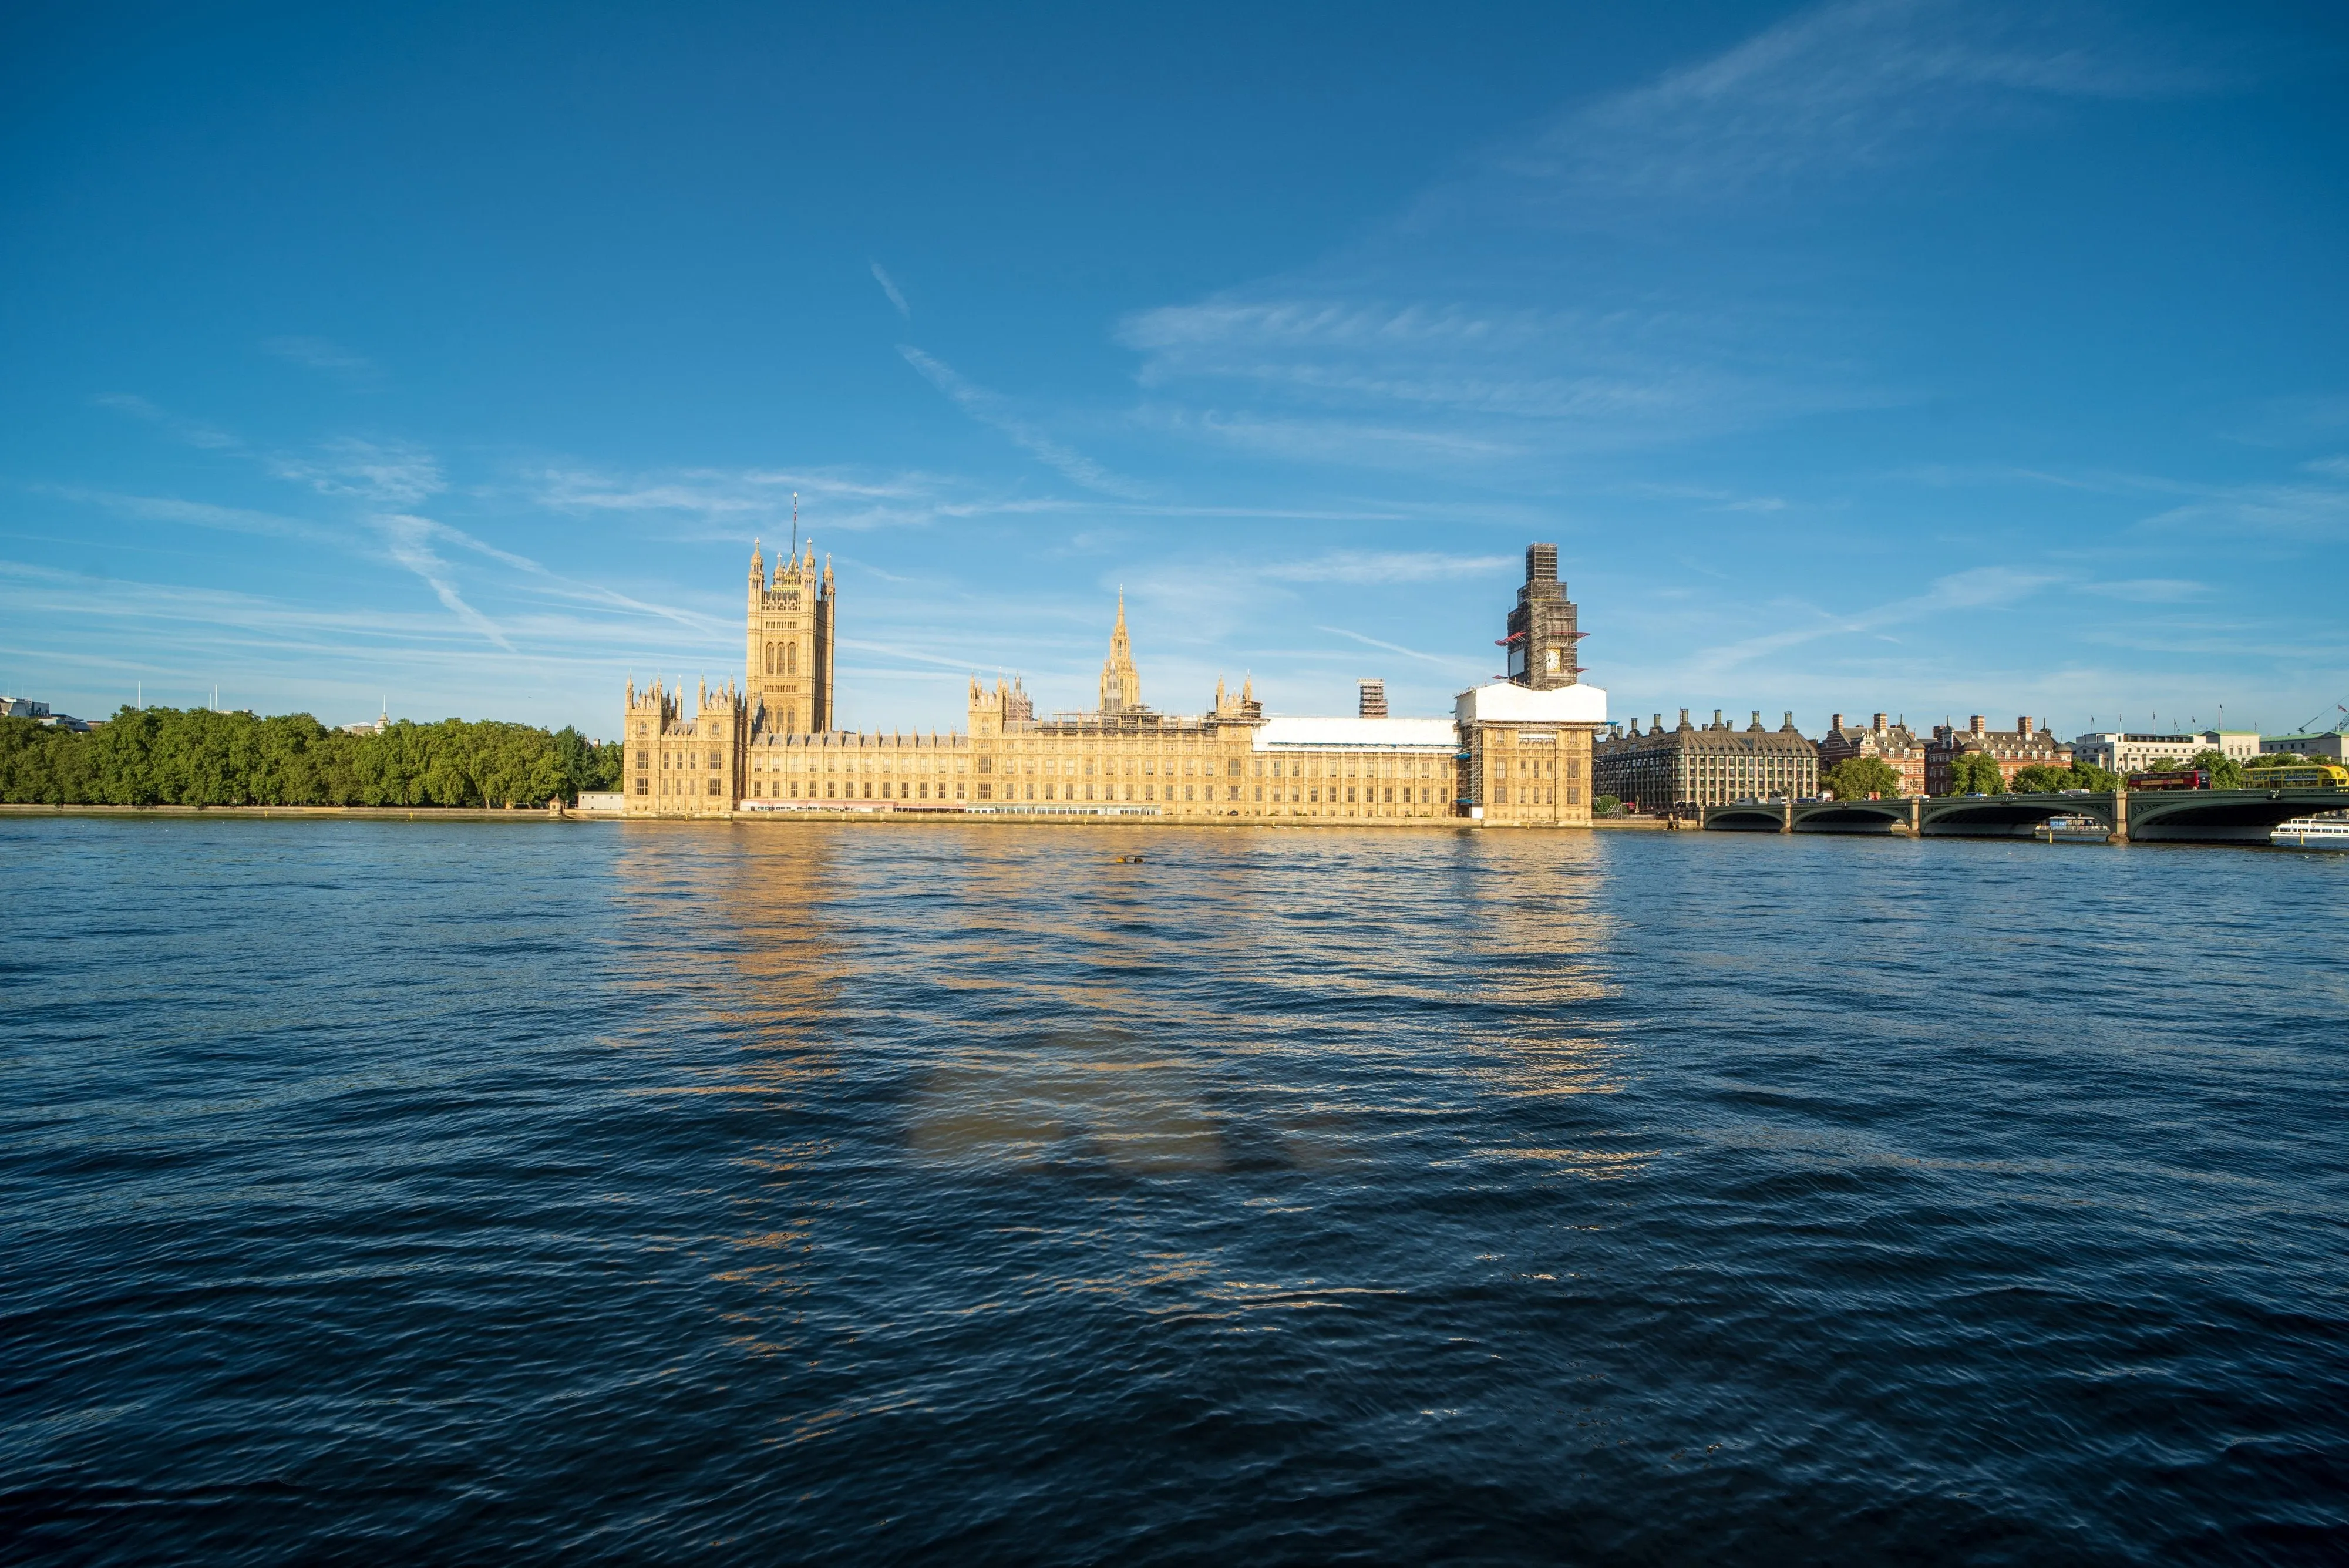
x: 193, y: 756
x: 1978, y: 773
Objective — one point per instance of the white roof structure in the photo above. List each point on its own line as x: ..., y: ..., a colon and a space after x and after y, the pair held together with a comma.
x: 1429, y: 735
x: 1504, y: 701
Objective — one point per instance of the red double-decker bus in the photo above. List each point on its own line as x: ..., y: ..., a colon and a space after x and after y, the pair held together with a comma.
x: 2175, y: 778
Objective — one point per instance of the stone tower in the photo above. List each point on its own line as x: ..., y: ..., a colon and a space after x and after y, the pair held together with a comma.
x: 1120, y: 688
x: 789, y: 672
x: 1542, y: 635
x: 678, y: 763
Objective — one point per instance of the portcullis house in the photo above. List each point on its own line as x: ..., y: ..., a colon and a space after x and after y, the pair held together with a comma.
x: 1515, y: 752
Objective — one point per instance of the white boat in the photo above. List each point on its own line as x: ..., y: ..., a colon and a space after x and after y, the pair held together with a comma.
x: 2328, y: 831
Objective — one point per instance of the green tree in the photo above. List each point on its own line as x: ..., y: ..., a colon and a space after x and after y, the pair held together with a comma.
x: 2039, y: 778
x: 163, y: 756
x: 2225, y: 771
x: 2088, y: 775
x: 1605, y: 805
x: 1856, y: 778
x: 1976, y: 773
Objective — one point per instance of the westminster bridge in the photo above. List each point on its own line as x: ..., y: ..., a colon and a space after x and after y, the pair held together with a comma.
x: 2146, y: 817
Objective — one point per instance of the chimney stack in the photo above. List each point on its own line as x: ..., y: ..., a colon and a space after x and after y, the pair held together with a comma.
x: 1878, y: 724
x: 1835, y: 724
x: 2023, y: 728
x: 1975, y: 723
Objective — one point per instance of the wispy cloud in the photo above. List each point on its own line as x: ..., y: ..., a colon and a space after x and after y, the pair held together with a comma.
x: 2149, y: 590
x: 410, y: 541
x: 990, y: 409
x: 889, y: 287
x: 1435, y: 341
x: 319, y: 354
x: 1834, y: 89
x: 1374, y: 567
x: 193, y: 432
x: 731, y: 503
x: 1978, y: 588
x: 390, y: 472
x: 197, y: 513
x: 2304, y: 510
x: 1451, y: 662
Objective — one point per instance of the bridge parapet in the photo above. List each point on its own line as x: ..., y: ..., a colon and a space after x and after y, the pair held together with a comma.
x: 2186, y: 816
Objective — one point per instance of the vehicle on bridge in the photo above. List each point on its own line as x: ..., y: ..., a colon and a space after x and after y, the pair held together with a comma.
x: 2172, y: 778
x: 2300, y: 775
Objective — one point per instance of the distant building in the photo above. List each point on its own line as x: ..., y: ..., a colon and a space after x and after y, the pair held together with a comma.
x: 38, y: 712
x: 2123, y: 751
x: 2028, y: 744
x: 2330, y: 744
x: 1511, y: 754
x: 1372, y: 699
x: 1895, y: 745
x: 381, y: 722
x: 1691, y: 765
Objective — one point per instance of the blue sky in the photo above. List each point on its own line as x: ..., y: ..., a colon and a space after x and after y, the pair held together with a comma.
x: 1932, y: 357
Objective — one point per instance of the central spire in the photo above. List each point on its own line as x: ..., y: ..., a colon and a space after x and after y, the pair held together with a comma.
x: 1120, y: 688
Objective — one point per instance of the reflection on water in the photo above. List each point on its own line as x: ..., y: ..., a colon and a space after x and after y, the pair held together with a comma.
x: 656, y: 1190
x: 1065, y: 1099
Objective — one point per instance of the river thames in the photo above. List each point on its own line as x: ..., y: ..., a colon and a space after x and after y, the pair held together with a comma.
x: 487, y: 1191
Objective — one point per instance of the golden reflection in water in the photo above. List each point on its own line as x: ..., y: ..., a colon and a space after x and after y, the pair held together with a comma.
x: 1066, y: 1097
x: 1153, y: 1017
x: 737, y: 924
x: 731, y: 932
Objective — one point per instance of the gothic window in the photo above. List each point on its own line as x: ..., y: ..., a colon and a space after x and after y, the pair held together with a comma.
x: 640, y: 787
x: 791, y: 658
x: 1187, y: 792
x: 713, y: 787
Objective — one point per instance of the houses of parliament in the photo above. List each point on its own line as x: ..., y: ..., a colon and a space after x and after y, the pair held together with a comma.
x: 1515, y: 752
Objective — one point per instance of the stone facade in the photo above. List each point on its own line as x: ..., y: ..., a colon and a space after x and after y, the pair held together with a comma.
x: 2126, y: 751
x: 1895, y: 745
x: 2333, y: 746
x: 1690, y: 766
x: 2027, y: 744
x: 1514, y: 754
x: 1542, y: 637
x: 789, y: 667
